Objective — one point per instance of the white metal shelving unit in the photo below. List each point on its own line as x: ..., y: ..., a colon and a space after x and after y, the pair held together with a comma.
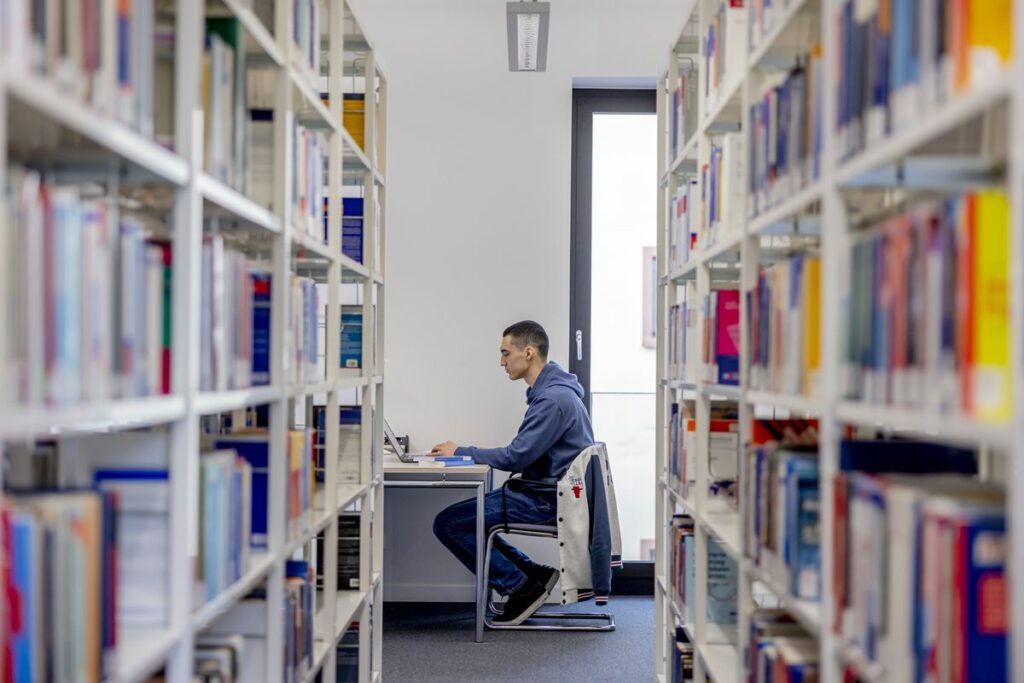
x: 819, y: 208
x: 106, y: 143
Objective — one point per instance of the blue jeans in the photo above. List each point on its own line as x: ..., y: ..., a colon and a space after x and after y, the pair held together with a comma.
x: 455, y: 527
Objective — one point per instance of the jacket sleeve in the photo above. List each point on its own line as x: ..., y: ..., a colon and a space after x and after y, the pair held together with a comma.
x: 600, y: 533
x: 541, y: 428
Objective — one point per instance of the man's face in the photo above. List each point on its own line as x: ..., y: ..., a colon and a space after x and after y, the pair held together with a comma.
x: 515, y: 360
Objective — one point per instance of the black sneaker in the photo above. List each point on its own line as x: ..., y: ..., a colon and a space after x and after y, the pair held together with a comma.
x: 522, y: 604
x: 544, y: 575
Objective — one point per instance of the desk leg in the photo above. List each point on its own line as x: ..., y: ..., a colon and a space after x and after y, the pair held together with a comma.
x: 481, y: 547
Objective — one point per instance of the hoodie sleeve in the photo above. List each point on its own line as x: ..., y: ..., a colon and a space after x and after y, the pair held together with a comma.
x: 541, y: 428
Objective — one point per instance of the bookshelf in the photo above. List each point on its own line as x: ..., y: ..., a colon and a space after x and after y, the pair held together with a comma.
x: 927, y: 150
x: 201, y: 173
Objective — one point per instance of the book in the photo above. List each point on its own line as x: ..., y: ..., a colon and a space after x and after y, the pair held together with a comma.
x: 228, y: 317
x: 927, y: 309
x: 352, y: 338
x: 225, y: 480
x: 254, y: 448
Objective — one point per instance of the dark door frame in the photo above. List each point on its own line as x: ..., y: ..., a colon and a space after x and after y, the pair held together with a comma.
x: 586, y: 103
x: 635, y: 578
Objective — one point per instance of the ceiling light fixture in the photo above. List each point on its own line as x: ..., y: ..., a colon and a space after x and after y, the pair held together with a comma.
x: 528, y: 35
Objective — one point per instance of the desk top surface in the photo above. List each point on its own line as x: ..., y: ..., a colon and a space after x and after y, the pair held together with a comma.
x: 397, y: 467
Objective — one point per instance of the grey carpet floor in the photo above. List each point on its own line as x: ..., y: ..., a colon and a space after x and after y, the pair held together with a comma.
x: 433, y: 643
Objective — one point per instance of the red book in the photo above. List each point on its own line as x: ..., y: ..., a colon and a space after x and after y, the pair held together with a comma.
x: 839, y: 538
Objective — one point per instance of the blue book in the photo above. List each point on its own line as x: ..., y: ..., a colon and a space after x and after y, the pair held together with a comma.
x: 911, y: 457
x: 352, y: 228
x: 255, y: 449
x: 981, y: 549
x: 802, y: 550
x: 260, y: 328
x: 25, y: 567
x: 722, y: 585
x: 352, y: 337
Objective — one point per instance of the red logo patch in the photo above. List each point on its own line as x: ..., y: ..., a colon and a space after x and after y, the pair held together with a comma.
x: 576, y: 490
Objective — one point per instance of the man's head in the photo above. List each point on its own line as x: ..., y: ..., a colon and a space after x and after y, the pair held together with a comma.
x: 524, y: 350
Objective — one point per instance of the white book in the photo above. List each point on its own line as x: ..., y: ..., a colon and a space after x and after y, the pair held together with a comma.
x: 219, y: 349
x: 65, y: 379
x: 97, y: 301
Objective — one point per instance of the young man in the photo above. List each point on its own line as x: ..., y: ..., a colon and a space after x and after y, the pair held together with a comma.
x: 554, y: 431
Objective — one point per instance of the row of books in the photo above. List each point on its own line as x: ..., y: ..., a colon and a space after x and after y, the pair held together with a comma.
x: 234, y: 319
x: 223, y: 92
x: 783, y: 517
x: 307, y: 26
x: 780, y: 650
x: 928, y: 308
x: 722, y: 182
x: 684, y: 111
x: 682, y: 657
x: 88, y: 297
x: 351, y: 227
x: 225, y: 532
x: 349, y: 442
x: 723, y: 445
x: 724, y: 48
x: 899, y: 59
x: 920, y: 562
x: 61, y: 586
x: 684, y: 336
x: 299, y: 615
x: 786, y: 134
x: 720, y: 315
x: 347, y: 553
x: 722, y: 578
x: 784, y: 334
x: 67, y: 41
x: 309, y: 157
x: 303, y: 341
x: 684, y: 222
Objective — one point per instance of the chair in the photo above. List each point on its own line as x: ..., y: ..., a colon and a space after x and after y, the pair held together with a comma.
x: 599, y: 621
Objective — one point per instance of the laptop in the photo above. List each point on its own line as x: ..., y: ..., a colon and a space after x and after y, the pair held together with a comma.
x: 396, y: 445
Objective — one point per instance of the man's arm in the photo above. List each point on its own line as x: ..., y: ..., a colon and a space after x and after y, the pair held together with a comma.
x: 541, y: 428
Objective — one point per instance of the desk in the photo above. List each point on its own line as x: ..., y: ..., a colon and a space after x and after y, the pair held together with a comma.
x: 398, y: 474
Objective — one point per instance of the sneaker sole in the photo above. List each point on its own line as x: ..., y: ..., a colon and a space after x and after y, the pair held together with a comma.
x: 527, y: 613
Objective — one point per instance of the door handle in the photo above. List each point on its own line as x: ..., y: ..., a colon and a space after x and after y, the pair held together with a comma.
x: 579, y: 344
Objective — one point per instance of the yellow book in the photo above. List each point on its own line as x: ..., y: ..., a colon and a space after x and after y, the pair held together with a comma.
x: 353, y: 117
x: 990, y: 372
x: 811, y: 305
x: 989, y: 37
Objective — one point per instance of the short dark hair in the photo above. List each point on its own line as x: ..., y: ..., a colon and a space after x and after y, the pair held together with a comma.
x: 528, y: 333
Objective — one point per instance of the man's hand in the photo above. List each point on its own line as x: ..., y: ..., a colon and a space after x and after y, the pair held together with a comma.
x: 446, y: 448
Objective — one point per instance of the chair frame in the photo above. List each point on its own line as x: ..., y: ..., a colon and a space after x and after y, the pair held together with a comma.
x: 495, y: 608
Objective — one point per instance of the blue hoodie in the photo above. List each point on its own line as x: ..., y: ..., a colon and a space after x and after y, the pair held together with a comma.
x: 555, y: 430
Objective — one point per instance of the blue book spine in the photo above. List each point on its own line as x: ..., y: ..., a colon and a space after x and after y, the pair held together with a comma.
x: 261, y: 313
x: 236, y: 523
x: 256, y: 454
x: 802, y: 524
x: 352, y: 337
x: 24, y: 571
x: 983, y: 554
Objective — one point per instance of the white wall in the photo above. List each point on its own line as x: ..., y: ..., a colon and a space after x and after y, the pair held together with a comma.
x: 478, y: 210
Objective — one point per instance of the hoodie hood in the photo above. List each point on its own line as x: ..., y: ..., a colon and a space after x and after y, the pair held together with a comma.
x: 553, y: 376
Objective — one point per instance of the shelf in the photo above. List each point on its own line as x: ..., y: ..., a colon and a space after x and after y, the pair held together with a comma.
x: 727, y: 245
x: 677, y: 384
x: 257, y: 31
x: 687, y: 271
x: 378, y: 379
x: 211, y: 402
x: 236, y: 204
x: 684, y: 154
x: 141, y: 652
x: 55, y: 105
x: 345, y: 608
x: 678, y: 497
x: 302, y: 240
x: 353, y: 382
x: 720, y: 662
x: 788, y: 209
x: 321, y: 648
x: 259, y: 566
x: 347, y: 494
x: 725, y: 527
x: 352, y: 149
x: 800, y: 405
x: 781, y: 25
x: 807, y: 612
x: 315, y: 113
x: 724, y: 391
x: 303, y: 390
x: 946, y: 427
x: 377, y: 277
x: 728, y: 107
x: 350, y: 264
x: 96, y: 417
x: 959, y: 110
